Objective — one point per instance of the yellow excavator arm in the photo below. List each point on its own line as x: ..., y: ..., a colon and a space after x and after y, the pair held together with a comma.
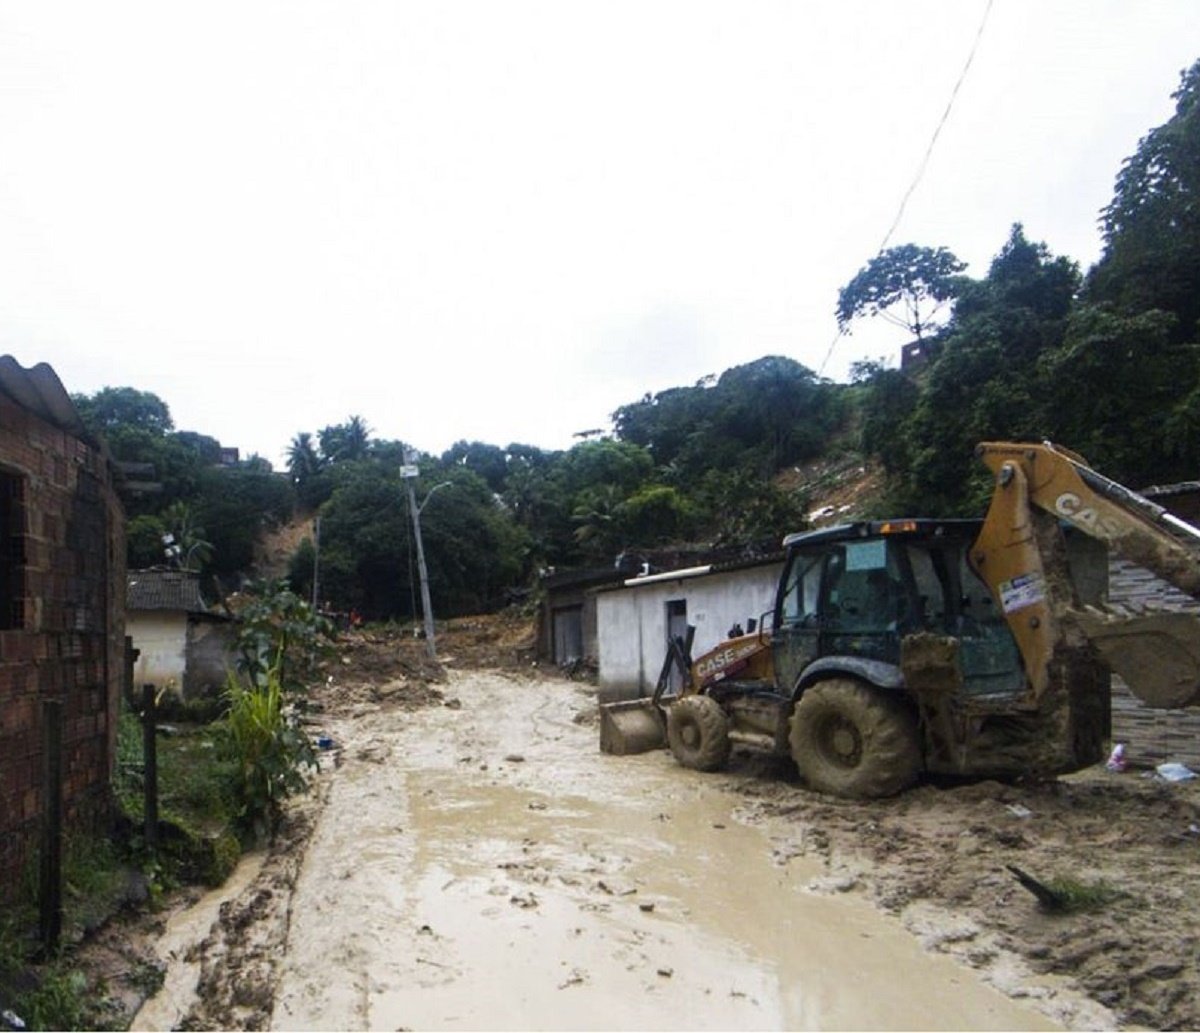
x: 1018, y: 554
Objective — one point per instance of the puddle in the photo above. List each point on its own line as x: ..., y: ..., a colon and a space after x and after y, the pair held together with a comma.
x: 167, y: 1007
x: 446, y: 888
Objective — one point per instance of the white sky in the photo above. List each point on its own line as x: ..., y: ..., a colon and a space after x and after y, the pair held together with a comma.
x: 501, y: 220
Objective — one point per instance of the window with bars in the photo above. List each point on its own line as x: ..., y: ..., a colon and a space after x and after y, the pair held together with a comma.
x: 12, y: 551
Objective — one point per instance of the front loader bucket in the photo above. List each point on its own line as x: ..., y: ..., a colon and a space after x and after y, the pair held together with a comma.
x: 1156, y: 654
x: 631, y: 726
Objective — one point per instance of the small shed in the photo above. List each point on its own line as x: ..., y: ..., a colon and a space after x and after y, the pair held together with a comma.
x: 567, y: 617
x: 179, y: 641
x: 636, y: 619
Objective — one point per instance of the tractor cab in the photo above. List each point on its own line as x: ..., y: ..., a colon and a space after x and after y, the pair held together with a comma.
x: 850, y: 594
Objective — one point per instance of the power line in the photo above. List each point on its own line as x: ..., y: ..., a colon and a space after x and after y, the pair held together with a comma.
x: 924, y: 164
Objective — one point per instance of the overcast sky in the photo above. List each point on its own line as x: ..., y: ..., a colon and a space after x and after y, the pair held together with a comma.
x: 501, y: 220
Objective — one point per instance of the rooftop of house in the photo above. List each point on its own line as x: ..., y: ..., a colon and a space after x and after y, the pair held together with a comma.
x: 164, y: 590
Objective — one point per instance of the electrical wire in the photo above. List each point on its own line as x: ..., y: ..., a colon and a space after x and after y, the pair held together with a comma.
x: 924, y: 164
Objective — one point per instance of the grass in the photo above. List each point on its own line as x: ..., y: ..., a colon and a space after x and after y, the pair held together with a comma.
x: 53, y: 994
x: 211, y: 779
x: 198, y: 807
x: 1076, y: 896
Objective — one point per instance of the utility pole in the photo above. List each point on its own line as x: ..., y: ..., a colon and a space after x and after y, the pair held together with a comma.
x: 316, y: 562
x: 410, y: 473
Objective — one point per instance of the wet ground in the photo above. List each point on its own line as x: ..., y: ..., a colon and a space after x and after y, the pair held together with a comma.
x: 481, y: 865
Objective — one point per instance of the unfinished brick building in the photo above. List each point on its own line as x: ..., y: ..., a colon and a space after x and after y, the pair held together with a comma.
x: 62, y: 620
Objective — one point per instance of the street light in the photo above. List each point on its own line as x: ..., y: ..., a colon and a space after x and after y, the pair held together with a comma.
x: 410, y: 473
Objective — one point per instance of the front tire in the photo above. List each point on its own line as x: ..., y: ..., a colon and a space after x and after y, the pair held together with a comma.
x: 698, y: 733
x: 851, y: 740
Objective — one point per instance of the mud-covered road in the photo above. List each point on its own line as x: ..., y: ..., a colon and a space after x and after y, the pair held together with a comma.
x: 479, y: 864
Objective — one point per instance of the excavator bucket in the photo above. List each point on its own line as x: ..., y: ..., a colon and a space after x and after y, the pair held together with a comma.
x: 631, y: 726
x: 640, y: 725
x: 1156, y: 654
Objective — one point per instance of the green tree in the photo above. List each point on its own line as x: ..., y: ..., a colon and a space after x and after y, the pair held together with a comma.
x: 113, y: 408
x: 906, y: 286
x: 766, y: 414
x: 308, y: 471
x: 303, y: 459
x: 236, y: 504
x: 1151, y: 257
x: 740, y: 507
x: 345, y: 442
x: 887, y: 403
x: 986, y: 380
x: 488, y: 461
x: 144, y: 545
x: 1122, y: 391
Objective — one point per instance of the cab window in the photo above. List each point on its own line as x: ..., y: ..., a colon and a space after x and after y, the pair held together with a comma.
x: 801, y: 588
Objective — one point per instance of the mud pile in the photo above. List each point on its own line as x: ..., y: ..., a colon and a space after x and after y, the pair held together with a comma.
x: 504, y: 640
x: 390, y: 666
x: 377, y: 667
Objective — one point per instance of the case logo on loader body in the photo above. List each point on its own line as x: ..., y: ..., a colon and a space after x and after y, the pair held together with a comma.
x: 1071, y: 506
x: 718, y: 664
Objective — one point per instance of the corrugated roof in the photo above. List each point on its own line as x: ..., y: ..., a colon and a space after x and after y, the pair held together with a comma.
x: 164, y: 590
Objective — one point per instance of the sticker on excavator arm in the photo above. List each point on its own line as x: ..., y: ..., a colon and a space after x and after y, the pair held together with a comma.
x: 1023, y: 590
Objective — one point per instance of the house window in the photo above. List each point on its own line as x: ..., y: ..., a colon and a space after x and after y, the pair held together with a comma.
x: 12, y: 551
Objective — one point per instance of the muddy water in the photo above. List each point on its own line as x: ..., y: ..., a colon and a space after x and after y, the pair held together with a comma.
x: 486, y: 867
x: 187, y: 927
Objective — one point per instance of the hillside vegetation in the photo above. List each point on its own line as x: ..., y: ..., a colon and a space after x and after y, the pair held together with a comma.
x: 1105, y: 361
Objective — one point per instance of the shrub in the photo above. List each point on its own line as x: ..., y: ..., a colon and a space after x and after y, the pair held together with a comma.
x: 270, y: 750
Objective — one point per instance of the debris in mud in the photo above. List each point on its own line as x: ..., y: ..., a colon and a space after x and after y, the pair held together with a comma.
x: 576, y: 978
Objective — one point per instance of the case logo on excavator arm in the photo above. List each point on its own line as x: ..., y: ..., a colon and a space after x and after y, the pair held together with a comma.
x: 1072, y: 507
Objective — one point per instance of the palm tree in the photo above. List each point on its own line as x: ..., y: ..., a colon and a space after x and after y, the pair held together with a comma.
x: 345, y: 442
x: 189, y: 537
x: 303, y: 460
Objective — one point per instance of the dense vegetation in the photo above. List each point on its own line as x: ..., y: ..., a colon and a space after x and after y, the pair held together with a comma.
x: 1106, y: 362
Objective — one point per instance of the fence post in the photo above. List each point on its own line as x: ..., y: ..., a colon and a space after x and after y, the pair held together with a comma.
x: 50, y: 913
x: 150, y: 766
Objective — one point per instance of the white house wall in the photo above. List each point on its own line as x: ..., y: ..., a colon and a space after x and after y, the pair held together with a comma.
x: 631, y: 622
x: 161, y: 639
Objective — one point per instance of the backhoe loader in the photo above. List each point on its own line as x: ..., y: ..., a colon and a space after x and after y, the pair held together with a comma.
x: 976, y: 648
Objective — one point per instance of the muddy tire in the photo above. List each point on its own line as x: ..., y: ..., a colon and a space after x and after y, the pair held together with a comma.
x: 849, y: 739
x: 698, y: 733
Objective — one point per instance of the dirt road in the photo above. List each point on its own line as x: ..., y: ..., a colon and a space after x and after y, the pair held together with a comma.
x: 480, y: 865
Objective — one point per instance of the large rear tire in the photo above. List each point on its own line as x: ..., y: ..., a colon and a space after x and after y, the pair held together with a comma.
x: 849, y: 739
x: 698, y: 733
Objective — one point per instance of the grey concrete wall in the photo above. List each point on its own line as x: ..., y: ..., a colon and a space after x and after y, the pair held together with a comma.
x: 209, y: 657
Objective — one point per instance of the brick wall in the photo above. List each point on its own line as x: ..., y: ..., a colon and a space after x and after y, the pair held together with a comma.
x: 68, y: 640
